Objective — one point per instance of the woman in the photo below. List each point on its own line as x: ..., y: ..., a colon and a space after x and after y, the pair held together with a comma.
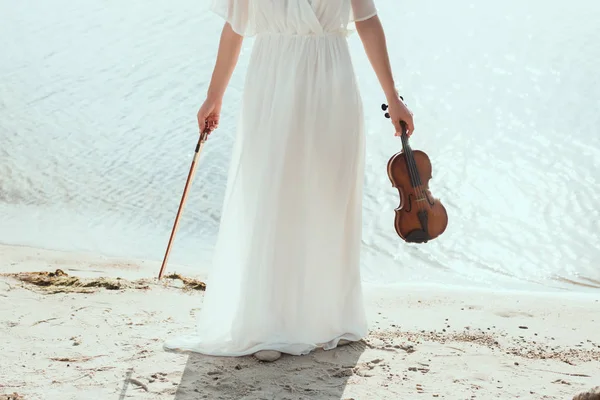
x: 286, y: 277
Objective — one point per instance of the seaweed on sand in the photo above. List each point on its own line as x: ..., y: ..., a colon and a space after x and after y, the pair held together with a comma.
x: 60, y: 282
x: 12, y: 396
x: 189, y: 283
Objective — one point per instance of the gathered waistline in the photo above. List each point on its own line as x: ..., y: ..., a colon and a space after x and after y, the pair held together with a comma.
x: 338, y: 33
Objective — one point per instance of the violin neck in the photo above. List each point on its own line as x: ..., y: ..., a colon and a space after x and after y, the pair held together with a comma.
x: 405, y: 144
x: 415, y: 178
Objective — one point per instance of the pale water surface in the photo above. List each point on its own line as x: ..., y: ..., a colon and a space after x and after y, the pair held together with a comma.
x: 97, y: 129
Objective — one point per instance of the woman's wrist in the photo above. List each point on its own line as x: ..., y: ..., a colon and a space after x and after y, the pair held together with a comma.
x: 391, y: 94
x: 214, y: 97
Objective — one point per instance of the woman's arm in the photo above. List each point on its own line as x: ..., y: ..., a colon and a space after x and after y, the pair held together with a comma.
x: 227, y: 57
x: 374, y: 41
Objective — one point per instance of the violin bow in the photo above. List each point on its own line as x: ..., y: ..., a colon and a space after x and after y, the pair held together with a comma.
x: 188, y: 182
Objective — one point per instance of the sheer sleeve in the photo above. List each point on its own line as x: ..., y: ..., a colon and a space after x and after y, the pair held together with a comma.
x: 362, y: 10
x: 239, y: 13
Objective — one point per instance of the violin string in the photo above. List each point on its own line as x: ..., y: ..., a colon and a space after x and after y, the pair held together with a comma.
x: 418, y: 188
x: 419, y: 185
x: 409, y: 165
x: 409, y: 162
x: 422, y: 190
x: 412, y: 168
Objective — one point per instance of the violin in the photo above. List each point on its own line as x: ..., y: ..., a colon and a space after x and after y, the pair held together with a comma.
x: 420, y: 217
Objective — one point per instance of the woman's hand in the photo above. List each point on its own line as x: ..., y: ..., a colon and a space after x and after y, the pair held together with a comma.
x: 229, y: 50
x: 399, y: 112
x: 209, y: 115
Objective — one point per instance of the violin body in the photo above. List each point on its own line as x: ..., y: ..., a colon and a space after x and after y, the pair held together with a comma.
x: 420, y: 217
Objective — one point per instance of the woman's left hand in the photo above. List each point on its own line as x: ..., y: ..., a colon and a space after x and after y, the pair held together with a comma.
x: 399, y: 112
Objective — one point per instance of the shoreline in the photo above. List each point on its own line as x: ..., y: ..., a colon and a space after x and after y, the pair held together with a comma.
x: 437, y: 341
x: 143, y: 268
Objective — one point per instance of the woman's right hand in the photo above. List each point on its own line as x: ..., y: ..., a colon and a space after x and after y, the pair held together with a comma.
x: 208, y: 115
x: 399, y: 112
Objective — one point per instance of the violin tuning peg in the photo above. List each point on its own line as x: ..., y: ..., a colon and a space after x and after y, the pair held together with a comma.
x: 387, y: 115
x: 384, y: 107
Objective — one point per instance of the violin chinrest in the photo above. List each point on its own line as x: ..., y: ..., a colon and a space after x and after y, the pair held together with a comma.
x: 417, y: 236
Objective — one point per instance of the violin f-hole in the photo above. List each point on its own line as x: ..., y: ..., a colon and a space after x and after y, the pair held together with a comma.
x: 430, y: 200
x: 409, y: 203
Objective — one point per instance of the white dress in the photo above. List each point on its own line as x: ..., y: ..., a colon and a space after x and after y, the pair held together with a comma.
x: 286, y: 272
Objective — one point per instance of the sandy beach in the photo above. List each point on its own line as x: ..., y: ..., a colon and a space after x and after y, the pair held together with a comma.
x: 425, y: 341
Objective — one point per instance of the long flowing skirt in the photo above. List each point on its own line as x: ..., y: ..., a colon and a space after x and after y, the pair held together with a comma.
x: 286, y: 265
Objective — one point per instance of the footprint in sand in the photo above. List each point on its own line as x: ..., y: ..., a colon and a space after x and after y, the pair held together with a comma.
x: 160, y: 376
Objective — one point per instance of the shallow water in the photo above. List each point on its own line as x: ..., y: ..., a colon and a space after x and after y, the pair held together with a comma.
x: 97, y: 129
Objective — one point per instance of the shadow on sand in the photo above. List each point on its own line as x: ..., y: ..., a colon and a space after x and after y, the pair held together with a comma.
x: 320, y: 375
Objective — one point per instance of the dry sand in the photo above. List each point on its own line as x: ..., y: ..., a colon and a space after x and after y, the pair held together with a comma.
x: 90, y: 341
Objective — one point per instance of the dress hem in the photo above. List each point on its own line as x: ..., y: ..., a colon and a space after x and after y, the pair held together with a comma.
x: 295, y: 349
